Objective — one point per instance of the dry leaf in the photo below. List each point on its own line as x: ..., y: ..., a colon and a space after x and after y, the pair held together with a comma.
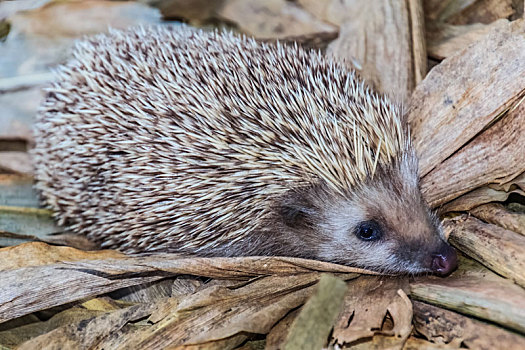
x: 386, y: 46
x: 497, y: 214
x: 474, y: 290
x: 88, y: 332
x: 477, y: 197
x: 311, y: 328
x: 461, y: 96
x: 495, y: 155
x: 331, y: 11
x: 17, y: 110
x: 76, y: 18
x: 279, y: 332
x: 501, y: 250
x: 447, y: 327
x: 14, y: 336
x: 17, y: 190
x: 272, y: 18
x: 16, y: 162
x: 39, y: 254
x: 218, y: 313
x: 483, y: 11
x: 368, y: 303
x: 444, y: 40
x: 27, y: 222
x: 24, y: 288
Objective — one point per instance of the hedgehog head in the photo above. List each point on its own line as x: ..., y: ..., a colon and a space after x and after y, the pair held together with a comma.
x: 383, y: 224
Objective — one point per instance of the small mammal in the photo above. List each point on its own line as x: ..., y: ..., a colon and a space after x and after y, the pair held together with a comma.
x: 178, y: 140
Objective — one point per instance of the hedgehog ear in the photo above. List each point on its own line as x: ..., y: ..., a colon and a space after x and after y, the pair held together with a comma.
x: 297, y: 212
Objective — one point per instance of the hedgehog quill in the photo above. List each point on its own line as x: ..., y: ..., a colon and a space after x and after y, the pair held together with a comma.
x: 179, y: 140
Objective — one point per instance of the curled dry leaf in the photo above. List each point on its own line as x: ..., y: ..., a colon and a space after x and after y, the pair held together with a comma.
x: 496, y: 213
x: 446, y: 327
x: 463, y: 95
x: 375, y: 306
x: 482, y: 195
x: 272, y: 19
x: 501, y: 250
x: 386, y: 46
x: 29, y: 289
x: 474, y: 290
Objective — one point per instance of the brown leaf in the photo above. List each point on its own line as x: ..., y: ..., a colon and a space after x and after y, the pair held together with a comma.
x: 218, y: 313
x: 29, y: 289
x: 446, y: 327
x: 272, y: 19
x: 445, y: 40
x: 89, y: 332
x: 483, y: 11
x: 477, y: 197
x: 386, y: 46
x: 76, y: 18
x: 474, y: 290
x: 465, y: 93
x: 40, y: 254
x: 495, y: 155
x: 368, y: 304
x: 497, y: 214
x: 501, y: 250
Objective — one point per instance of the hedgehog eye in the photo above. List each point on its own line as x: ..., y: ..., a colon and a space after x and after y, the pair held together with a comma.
x: 369, y: 231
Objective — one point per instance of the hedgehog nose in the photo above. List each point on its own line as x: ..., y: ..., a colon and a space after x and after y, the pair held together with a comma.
x: 445, y: 261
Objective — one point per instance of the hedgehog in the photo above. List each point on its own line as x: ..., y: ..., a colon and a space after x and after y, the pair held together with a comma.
x: 173, y: 139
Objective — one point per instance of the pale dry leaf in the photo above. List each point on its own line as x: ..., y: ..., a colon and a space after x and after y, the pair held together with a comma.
x: 17, y: 110
x: 330, y: 11
x: 16, y: 162
x: 386, y: 45
x: 445, y: 40
x: 465, y: 93
x: 446, y: 327
x: 369, y: 300
x: 272, y: 18
x: 76, y: 18
x: 501, y: 250
x: 493, y: 156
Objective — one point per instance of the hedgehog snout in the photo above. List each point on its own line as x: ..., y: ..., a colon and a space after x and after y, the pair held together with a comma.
x: 444, y: 261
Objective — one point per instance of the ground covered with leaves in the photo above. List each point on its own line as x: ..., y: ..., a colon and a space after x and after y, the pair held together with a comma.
x: 458, y: 67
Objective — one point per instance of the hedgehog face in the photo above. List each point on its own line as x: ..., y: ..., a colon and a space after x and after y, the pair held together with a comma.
x: 384, y: 225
